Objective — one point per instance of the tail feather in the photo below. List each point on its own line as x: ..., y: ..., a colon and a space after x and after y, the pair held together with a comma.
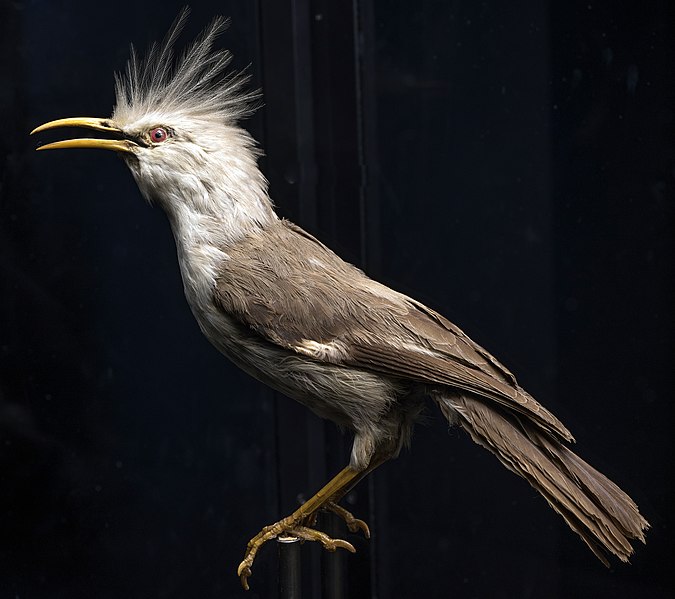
x: 592, y: 505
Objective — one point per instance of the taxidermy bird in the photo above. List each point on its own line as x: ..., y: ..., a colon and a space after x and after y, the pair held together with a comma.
x: 287, y: 310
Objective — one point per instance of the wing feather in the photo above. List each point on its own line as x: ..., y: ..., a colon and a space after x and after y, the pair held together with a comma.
x: 296, y: 293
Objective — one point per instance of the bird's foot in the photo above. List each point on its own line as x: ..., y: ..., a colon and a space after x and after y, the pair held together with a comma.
x: 292, y: 527
x: 353, y: 524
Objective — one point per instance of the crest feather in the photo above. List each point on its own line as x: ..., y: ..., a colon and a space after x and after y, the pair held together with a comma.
x: 195, y: 85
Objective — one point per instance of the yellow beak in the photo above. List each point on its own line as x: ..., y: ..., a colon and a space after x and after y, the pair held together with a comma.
x: 117, y: 145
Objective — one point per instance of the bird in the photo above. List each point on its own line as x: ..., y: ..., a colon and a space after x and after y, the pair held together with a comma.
x: 289, y: 311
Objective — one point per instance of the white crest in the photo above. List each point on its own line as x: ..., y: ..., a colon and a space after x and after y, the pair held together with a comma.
x: 195, y: 85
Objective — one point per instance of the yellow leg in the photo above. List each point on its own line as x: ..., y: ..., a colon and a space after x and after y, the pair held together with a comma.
x: 353, y: 524
x: 294, y: 524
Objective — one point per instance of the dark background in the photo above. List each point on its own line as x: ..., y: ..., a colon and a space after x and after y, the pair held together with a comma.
x: 512, y: 165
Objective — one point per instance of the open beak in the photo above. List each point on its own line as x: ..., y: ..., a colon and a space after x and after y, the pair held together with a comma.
x: 117, y: 145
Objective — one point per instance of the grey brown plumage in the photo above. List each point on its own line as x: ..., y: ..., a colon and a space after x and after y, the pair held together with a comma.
x: 289, y: 311
x: 593, y: 506
x: 311, y: 294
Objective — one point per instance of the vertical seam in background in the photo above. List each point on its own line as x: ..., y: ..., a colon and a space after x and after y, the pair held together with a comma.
x: 364, y: 254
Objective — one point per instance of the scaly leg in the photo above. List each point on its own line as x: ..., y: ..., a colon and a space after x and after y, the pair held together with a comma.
x: 353, y: 524
x: 294, y: 524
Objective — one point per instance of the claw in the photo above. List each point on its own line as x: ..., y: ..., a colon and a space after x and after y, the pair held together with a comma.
x: 330, y: 544
x: 244, y: 571
x: 267, y: 533
x: 353, y: 524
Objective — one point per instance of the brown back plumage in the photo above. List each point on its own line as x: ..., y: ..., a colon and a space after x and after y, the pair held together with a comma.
x: 290, y: 288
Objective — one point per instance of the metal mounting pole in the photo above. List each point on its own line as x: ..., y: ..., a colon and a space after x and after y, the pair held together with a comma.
x: 333, y: 583
x: 290, y: 571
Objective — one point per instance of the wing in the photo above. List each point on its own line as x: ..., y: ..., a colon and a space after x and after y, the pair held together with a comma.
x: 297, y: 294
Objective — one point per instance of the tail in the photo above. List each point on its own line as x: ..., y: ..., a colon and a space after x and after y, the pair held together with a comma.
x: 592, y: 505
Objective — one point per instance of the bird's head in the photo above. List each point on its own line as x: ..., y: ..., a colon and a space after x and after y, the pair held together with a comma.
x: 175, y: 123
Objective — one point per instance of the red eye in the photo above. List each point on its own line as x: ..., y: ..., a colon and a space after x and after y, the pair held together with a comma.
x: 158, y: 134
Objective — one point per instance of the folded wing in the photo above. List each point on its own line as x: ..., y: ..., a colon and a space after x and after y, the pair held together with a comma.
x: 311, y: 302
